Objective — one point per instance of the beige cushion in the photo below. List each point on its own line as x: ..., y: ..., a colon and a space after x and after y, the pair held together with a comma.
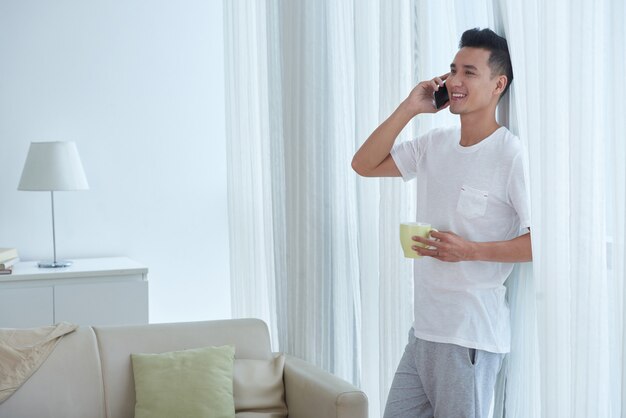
x: 258, y: 386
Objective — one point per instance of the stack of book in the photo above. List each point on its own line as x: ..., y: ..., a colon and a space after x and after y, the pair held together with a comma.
x: 8, y: 258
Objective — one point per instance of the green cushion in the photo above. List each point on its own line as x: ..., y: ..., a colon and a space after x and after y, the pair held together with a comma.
x: 195, y: 383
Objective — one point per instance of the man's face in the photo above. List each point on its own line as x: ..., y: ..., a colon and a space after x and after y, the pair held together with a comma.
x: 470, y: 83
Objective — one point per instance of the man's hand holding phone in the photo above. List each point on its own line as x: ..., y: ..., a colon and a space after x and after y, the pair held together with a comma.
x: 422, y: 100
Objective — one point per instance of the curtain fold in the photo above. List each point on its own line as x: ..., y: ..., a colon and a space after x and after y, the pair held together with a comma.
x: 292, y: 193
x: 254, y: 244
x: 590, y: 347
x: 616, y: 203
x: 397, y: 200
x: 318, y: 121
x: 574, y: 305
x: 366, y: 94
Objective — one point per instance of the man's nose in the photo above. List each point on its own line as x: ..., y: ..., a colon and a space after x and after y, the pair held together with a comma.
x: 454, y: 81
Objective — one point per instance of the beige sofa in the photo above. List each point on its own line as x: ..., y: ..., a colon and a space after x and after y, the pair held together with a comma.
x: 89, y: 374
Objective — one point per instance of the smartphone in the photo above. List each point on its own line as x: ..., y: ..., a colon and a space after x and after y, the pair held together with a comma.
x: 441, y: 96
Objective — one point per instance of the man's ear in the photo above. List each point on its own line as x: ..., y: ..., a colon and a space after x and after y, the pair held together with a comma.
x: 501, y: 84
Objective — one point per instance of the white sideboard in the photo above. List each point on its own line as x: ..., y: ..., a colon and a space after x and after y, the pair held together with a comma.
x: 96, y: 291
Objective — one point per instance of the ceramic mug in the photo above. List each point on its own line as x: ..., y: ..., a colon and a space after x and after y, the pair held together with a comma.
x: 410, y: 229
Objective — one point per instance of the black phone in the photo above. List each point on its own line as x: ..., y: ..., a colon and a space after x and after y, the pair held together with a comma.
x: 441, y: 96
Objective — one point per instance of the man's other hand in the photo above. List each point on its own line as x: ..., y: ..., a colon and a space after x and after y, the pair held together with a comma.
x: 446, y: 246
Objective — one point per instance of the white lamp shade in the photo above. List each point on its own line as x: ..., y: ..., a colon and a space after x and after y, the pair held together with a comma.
x: 53, y: 166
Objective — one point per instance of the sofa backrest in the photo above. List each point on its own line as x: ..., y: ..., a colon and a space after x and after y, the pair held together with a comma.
x: 250, y: 337
x: 67, y: 385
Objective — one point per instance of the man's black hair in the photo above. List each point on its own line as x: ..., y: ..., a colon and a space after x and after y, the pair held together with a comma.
x: 500, y: 60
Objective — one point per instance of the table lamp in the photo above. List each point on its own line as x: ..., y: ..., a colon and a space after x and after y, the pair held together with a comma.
x: 53, y: 166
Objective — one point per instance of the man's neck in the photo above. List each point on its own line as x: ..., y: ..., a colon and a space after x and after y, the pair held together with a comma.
x: 475, y: 128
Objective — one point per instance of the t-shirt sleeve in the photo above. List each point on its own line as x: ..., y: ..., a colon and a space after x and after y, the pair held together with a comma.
x: 405, y: 155
x: 518, y: 192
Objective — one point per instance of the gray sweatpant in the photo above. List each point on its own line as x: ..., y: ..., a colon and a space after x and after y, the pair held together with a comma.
x: 443, y: 381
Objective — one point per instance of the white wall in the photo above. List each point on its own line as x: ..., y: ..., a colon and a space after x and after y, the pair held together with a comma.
x: 139, y: 86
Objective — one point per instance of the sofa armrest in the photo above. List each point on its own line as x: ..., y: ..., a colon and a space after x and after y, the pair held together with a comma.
x: 313, y: 393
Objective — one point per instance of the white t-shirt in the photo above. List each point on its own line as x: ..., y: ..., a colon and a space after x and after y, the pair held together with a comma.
x: 479, y: 193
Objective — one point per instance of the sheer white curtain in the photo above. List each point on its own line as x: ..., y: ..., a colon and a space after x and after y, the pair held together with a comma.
x: 567, y: 110
x: 314, y: 249
x: 566, y: 105
x: 255, y: 161
x: 581, y: 281
x: 615, y: 122
x: 294, y: 221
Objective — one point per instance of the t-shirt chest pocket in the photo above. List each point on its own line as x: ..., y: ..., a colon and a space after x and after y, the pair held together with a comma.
x: 472, y: 202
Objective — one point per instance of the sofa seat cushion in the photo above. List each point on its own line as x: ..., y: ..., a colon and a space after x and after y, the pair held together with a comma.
x: 277, y: 413
x: 189, y: 383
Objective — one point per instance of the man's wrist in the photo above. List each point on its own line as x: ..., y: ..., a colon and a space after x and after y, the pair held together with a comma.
x: 474, y: 253
x: 408, y: 111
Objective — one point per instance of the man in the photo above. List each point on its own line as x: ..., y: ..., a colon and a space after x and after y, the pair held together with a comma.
x: 470, y: 183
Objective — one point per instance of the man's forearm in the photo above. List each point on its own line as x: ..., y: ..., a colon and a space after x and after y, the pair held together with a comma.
x: 517, y: 250
x: 377, y: 147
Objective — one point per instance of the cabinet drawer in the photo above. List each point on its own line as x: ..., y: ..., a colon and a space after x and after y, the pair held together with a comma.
x: 26, y: 308
x: 112, y: 303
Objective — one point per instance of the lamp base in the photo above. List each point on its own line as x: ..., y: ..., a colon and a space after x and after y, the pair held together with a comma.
x: 54, y: 264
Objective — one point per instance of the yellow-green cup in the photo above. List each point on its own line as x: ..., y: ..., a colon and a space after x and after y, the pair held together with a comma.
x: 410, y: 229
